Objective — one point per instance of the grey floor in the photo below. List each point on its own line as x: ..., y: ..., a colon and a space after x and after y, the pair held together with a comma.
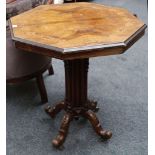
x: 118, y: 83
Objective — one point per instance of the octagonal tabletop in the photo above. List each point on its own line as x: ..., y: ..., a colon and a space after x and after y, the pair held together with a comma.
x: 76, y: 30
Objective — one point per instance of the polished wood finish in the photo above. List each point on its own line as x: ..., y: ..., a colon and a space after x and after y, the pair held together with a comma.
x: 75, y: 32
x: 97, y: 126
x: 53, y: 111
x: 76, y: 102
x: 82, y: 27
x: 60, y: 138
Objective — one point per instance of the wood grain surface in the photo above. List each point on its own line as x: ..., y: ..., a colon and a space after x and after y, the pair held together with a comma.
x: 75, y: 26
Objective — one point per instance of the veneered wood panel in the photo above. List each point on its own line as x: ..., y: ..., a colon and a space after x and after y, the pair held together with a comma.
x: 75, y: 25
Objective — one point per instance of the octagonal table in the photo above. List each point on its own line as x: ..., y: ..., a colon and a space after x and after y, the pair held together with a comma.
x: 75, y: 32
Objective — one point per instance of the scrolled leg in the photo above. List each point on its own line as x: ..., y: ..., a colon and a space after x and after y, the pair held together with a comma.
x: 59, y: 140
x: 91, y: 116
x: 52, y: 111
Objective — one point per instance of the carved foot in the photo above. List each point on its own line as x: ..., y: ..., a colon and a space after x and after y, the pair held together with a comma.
x: 91, y: 116
x: 59, y: 140
x: 52, y: 111
x: 92, y: 105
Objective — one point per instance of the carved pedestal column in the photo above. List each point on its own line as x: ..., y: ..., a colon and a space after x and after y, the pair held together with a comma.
x: 76, y: 83
x: 76, y: 102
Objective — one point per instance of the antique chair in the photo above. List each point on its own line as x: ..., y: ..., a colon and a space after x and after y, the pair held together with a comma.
x: 20, y: 65
x: 15, y: 7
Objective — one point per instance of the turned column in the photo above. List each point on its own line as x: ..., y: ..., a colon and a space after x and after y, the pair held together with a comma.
x: 76, y: 72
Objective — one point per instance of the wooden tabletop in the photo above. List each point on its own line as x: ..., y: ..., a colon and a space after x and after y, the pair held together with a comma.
x: 76, y: 30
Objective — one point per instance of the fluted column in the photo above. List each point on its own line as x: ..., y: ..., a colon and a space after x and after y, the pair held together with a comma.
x: 76, y: 82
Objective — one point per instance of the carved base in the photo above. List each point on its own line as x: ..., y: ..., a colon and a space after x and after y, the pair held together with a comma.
x: 91, y: 116
x: 86, y: 112
x: 76, y: 103
x: 60, y: 138
x: 54, y: 110
x: 93, y: 106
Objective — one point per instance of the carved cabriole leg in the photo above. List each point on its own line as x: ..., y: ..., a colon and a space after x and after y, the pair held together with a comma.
x: 59, y: 140
x: 91, y: 116
x: 52, y: 111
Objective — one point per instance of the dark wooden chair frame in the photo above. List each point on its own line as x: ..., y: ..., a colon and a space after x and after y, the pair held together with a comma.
x: 39, y: 79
